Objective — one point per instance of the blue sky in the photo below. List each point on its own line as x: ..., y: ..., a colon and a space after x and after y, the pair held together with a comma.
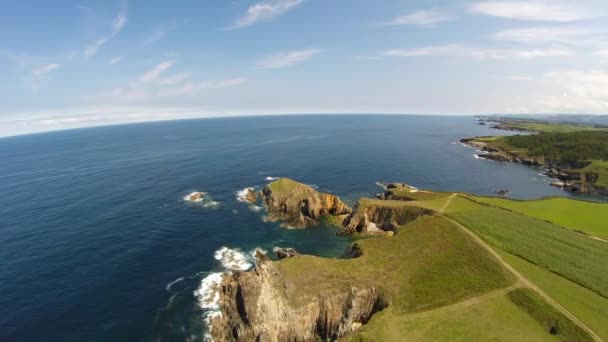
x: 67, y: 64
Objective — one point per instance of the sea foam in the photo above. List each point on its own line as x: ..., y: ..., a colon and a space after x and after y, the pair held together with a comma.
x: 271, y: 179
x: 208, y: 295
x: 241, y: 196
x: 233, y: 259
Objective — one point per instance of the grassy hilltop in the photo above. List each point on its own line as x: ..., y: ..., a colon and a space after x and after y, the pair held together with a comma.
x: 472, y: 268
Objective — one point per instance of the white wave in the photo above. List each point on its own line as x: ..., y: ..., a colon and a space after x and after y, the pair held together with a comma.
x: 207, y: 293
x: 477, y: 156
x: 272, y: 179
x: 195, y: 196
x: 209, y: 203
x: 381, y: 185
x: 168, y: 287
x: 256, y: 208
x: 233, y: 259
x: 241, y: 196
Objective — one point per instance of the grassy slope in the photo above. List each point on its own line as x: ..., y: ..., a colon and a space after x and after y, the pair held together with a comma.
x: 495, y: 319
x: 591, y: 218
x: 586, y: 305
x: 550, y: 318
x: 562, y: 251
x: 419, y: 268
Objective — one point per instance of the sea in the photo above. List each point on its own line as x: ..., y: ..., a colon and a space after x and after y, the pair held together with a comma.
x: 97, y: 241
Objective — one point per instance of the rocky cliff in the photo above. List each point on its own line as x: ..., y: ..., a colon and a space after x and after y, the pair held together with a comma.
x: 256, y: 307
x: 300, y: 206
x: 372, y: 218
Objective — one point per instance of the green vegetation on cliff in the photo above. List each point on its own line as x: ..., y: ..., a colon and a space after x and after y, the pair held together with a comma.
x: 419, y: 268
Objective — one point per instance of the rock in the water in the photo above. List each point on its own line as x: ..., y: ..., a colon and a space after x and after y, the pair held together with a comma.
x: 284, y: 253
x: 300, y: 206
x: 195, y: 196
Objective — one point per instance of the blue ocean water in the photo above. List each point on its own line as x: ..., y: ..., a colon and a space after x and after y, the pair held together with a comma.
x: 93, y: 226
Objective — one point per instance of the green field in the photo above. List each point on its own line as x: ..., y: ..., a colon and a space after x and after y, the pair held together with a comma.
x: 559, y: 250
x: 588, y: 217
x: 494, y: 319
x: 549, y: 127
x: 549, y: 318
x: 586, y: 305
x: 419, y: 268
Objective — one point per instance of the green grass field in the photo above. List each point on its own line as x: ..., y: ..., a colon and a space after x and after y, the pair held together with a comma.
x: 588, y: 217
x: 559, y: 250
x: 550, y: 127
x: 586, y: 305
x: 549, y: 318
x: 495, y: 319
x: 419, y: 268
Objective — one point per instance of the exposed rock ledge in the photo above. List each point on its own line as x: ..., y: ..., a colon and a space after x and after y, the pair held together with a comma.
x: 300, y: 206
x: 255, y: 307
x: 372, y: 218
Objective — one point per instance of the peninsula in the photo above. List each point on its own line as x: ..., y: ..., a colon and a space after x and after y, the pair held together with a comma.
x: 425, y: 266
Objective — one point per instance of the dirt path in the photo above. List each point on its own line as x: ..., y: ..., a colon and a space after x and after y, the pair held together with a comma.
x: 447, y: 203
x: 521, y: 279
x: 465, y: 303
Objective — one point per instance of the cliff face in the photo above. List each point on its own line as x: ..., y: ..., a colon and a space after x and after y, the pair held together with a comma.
x: 299, y: 205
x: 380, y: 220
x: 255, y: 307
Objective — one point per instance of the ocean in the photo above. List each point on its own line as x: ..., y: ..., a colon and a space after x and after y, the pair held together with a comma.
x: 98, y: 244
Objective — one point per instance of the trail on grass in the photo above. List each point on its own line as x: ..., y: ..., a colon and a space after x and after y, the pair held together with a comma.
x: 521, y: 279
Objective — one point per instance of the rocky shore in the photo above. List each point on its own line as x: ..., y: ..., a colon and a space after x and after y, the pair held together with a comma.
x: 256, y: 307
x: 567, y: 176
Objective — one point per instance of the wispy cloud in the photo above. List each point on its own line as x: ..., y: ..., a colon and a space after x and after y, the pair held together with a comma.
x: 265, y: 11
x: 154, y: 73
x: 46, y: 69
x: 581, y: 91
x: 533, y: 10
x: 286, y: 59
x: 117, y: 26
x: 580, y: 37
x: 115, y: 60
x: 429, y: 17
x: 174, y: 79
x: 455, y: 50
x: 159, y: 33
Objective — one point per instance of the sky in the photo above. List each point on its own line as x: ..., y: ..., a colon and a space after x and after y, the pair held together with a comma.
x: 74, y: 63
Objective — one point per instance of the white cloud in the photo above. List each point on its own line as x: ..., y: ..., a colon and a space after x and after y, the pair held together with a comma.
x: 115, y: 60
x: 551, y: 34
x: 602, y: 53
x: 117, y: 26
x: 155, y: 72
x: 534, y: 10
x: 43, y: 70
x: 455, y: 50
x: 265, y: 11
x: 421, y: 18
x: 581, y: 91
x: 286, y: 59
x: 174, y: 79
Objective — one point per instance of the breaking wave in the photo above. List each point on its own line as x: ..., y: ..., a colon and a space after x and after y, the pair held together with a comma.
x: 241, y: 196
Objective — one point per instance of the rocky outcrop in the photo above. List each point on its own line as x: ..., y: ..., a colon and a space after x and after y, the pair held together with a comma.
x: 285, y: 252
x: 376, y: 219
x: 256, y: 307
x: 300, y: 206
